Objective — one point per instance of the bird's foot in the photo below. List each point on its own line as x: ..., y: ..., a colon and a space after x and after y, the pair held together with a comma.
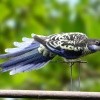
x: 72, y: 61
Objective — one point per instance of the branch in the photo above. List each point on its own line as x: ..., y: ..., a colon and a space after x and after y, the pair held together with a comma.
x: 48, y: 94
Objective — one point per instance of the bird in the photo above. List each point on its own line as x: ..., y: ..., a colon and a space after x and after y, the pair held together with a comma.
x: 35, y: 52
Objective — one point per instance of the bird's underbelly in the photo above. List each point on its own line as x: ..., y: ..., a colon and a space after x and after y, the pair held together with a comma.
x: 69, y: 54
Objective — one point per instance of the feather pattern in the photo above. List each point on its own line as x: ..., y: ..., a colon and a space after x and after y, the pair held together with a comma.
x: 70, y: 46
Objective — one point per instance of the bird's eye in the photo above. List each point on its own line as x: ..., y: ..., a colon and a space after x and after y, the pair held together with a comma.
x: 97, y: 43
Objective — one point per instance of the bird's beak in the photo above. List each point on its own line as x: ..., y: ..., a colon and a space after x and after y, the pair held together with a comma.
x: 94, y: 47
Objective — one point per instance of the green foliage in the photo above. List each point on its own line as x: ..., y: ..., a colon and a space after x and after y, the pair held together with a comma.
x: 20, y: 18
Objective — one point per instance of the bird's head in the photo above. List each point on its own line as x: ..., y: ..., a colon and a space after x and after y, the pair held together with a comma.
x: 94, y: 45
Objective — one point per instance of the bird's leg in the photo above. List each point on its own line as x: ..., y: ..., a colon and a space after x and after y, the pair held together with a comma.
x: 79, y: 69
x: 71, y: 80
x: 79, y: 61
x: 71, y: 62
x: 71, y: 74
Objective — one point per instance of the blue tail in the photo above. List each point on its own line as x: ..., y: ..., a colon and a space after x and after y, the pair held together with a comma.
x: 24, y: 60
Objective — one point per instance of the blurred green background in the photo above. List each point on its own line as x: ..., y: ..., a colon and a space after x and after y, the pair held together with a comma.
x: 20, y: 18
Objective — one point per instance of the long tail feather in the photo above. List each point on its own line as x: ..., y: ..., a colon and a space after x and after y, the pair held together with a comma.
x: 25, y: 58
x: 15, y: 63
x: 27, y: 67
x: 17, y: 53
